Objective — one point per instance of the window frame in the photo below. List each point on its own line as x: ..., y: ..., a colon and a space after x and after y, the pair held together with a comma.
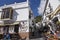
x: 10, y: 13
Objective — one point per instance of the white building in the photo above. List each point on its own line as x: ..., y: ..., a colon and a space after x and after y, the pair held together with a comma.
x: 51, y: 12
x: 14, y: 18
x: 50, y: 7
x: 31, y: 21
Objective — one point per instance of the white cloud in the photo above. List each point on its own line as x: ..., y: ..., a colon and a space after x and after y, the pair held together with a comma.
x: 41, y: 7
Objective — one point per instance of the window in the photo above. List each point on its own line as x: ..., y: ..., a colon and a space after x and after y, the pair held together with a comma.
x: 16, y: 28
x: 7, y: 13
x: 11, y: 29
x: 6, y: 28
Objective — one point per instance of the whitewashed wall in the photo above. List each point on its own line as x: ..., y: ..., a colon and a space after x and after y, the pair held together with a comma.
x: 54, y: 3
x: 21, y: 14
x: 21, y: 11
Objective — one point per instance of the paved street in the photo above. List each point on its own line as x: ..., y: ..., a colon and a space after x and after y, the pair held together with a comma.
x: 37, y: 39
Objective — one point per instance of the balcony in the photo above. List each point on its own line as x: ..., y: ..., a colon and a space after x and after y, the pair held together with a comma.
x: 7, y: 13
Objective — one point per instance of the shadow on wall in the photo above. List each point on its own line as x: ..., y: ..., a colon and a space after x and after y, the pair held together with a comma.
x: 15, y: 14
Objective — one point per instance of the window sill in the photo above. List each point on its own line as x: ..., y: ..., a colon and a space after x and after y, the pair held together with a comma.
x: 6, y: 19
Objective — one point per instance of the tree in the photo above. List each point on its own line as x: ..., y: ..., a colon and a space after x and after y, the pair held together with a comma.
x: 38, y: 19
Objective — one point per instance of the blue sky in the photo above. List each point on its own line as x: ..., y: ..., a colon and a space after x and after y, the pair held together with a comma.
x: 34, y: 4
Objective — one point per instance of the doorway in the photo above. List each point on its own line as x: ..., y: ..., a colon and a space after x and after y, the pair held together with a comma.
x: 6, y: 29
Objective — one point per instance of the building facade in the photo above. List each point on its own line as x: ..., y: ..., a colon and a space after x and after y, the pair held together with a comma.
x: 51, y: 13
x: 48, y: 6
x: 53, y: 8
x: 14, y: 19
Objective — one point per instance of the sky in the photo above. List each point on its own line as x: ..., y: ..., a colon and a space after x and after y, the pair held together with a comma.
x: 42, y: 7
x: 34, y: 4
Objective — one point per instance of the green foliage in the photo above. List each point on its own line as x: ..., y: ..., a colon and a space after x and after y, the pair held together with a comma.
x: 38, y: 19
x: 58, y: 22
